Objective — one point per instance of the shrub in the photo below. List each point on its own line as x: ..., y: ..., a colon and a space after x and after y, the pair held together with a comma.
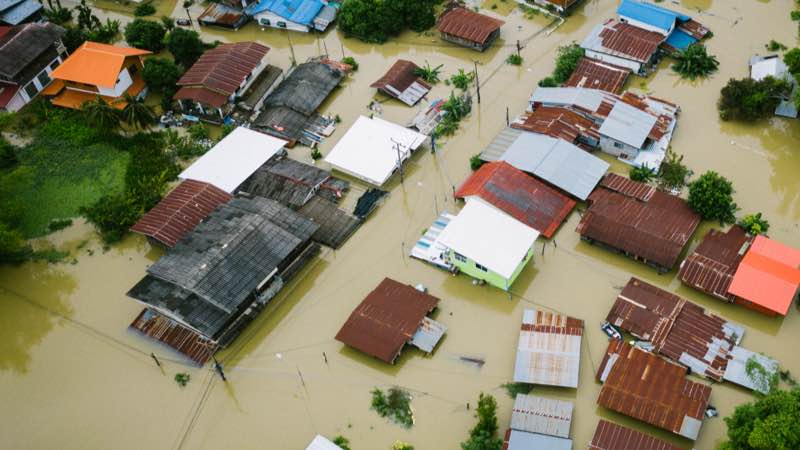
x: 144, y: 9
x: 399, y: 445
x: 775, y: 46
x: 475, y: 162
x: 711, y: 196
x: 567, y: 59
x: 342, y: 442
x: 316, y: 154
x: 462, y: 79
x: 182, y: 378
x: 673, y: 172
x: 754, y: 224
x: 146, y: 34
x: 792, y: 60
x: 428, y: 73
x: 795, y: 15
x: 512, y: 389
x: 112, y: 215
x: 185, y: 46
x: 168, y: 22
x: 483, y: 435
x: 59, y: 224
x: 350, y: 61
x: 8, y: 154
x: 695, y: 62
x: 750, y: 100
x: 514, y: 59
x: 396, y: 405
x: 13, y: 247
x: 642, y: 174
x: 198, y: 131
x: 548, y: 82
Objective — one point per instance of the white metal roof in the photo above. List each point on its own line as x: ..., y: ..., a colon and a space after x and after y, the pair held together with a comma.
x: 322, y: 443
x: 542, y: 415
x: 736, y: 370
x: 367, y: 150
x: 548, y: 358
x: 233, y: 159
x: 556, y: 161
x: 585, y: 98
x: 769, y: 66
x: 521, y: 440
x: 489, y: 237
x: 628, y: 124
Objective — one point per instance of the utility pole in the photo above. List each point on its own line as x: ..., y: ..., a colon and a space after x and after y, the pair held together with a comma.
x: 342, y: 45
x: 218, y: 367
x: 399, y: 160
x: 518, y: 48
x: 507, y: 121
x: 291, y: 48
x: 153, y: 355
x: 477, y: 81
x: 325, y: 46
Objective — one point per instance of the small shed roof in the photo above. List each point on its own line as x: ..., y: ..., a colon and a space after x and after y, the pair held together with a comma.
x: 23, y: 44
x: 386, y: 319
x: 297, y: 11
x: 541, y: 415
x: 646, y: 387
x: 402, y: 82
x: 768, y: 275
x: 521, y: 196
x: 549, y: 349
x: 225, y: 68
x: 489, y: 237
x: 521, y: 440
x: 372, y: 149
x: 595, y: 74
x: 322, y: 443
x: 583, y: 98
x: 95, y: 64
x: 180, y: 211
x: 628, y: 125
x: 610, y: 436
x: 466, y: 24
x: 662, y: 18
x: 220, y: 14
x: 555, y: 161
x: 558, y: 122
x: 229, y: 163
x: 711, y: 266
x: 623, y: 40
x: 769, y: 66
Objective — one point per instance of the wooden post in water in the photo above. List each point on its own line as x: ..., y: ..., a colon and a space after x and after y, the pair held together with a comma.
x: 218, y: 367
x: 153, y: 355
x: 507, y: 121
x: 477, y: 81
x: 291, y: 48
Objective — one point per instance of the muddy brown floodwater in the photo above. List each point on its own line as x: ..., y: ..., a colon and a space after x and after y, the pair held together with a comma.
x: 73, y: 377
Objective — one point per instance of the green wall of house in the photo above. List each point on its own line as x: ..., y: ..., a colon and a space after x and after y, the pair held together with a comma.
x: 470, y: 268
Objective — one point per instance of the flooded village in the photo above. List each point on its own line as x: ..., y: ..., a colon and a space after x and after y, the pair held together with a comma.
x: 350, y: 223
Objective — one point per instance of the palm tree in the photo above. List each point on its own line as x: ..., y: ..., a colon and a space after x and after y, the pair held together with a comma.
x: 136, y: 113
x: 101, y: 114
x: 428, y: 73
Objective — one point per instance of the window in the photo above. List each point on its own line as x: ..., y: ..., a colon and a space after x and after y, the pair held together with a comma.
x: 480, y: 267
x: 618, y: 144
x: 43, y: 78
x: 264, y: 22
x: 133, y: 69
x: 460, y: 257
x: 31, y: 90
x: 281, y: 24
x: 55, y: 64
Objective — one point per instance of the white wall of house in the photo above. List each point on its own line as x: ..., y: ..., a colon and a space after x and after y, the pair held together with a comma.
x: 124, y: 81
x: 270, y: 19
x: 635, y: 66
x: 646, y: 26
x: 252, y: 77
x: 616, y: 148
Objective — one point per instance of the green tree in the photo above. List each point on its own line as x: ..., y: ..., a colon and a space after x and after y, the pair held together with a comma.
x: 695, y: 62
x: 342, y: 442
x: 566, y: 61
x: 100, y: 113
x: 754, y: 224
x: 146, y: 34
x: 144, y: 9
x: 792, y: 60
x: 771, y: 422
x: 642, y: 174
x: 673, y: 172
x: 161, y: 74
x: 56, y: 13
x: 483, y: 435
x: 13, y: 247
x: 400, y: 445
x: 548, y: 82
x: 428, y: 73
x: 462, y: 79
x: 185, y: 46
x: 136, y: 113
x: 378, y: 20
x: 350, y: 61
x: 8, y: 154
x: 711, y: 196
x: 750, y: 100
x: 73, y: 38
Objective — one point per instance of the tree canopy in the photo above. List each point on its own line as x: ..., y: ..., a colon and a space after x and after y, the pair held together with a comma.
x: 185, y: 46
x: 483, y: 435
x: 378, y: 20
x: 770, y: 423
x: 695, y: 62
x: 161, y: 74
x: 711, y: 196
x: 750, y: 100
x: 146, y: 34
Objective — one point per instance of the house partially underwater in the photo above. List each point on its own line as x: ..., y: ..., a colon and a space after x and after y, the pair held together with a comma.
x: 293, y: 15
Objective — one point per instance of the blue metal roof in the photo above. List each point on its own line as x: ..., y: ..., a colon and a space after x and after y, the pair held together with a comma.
x: 19, y: 12
x: 680, y: 40
x: 298, y: 11
x: 650, y: 14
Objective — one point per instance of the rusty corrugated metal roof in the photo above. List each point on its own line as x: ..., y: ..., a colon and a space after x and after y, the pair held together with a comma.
x: 399, y: 78
x: 646, y: 387
x: 678, y: 329
x: 173, y: 334
x: 654, y: 231
x: 558, y: 122
x: 626, y: 40
x: 711, y: 266
x: 386, y: 320
x: 610, y: 436
x: 222, y: 15
x: 224, y: 68
x: 628, y: 187
x: 467, y: 24
x: 519, y: 195
x: 595, y: 74
x: 180, y: 211
x: 549, y: 349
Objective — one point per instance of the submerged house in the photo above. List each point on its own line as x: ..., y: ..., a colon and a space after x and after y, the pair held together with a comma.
x: 28, y: 55
x: 592, y: 73
x: 519, y: 195
x: 373, y: 149
x: 711, y: 266
x: 17, y: 12
x: 290, y: 111
x: 222, y: 15
x: 202, y: 293
x: 646, y: 387
x: 560, y: 6
x: 539, y: 423
x: 549, y: 349
x: 624, y: 45
x: 684, y: 332
x: 96, y: 69
x: 610, y: 436
x: 680, y: 30
x: 488, y: 244
x: 401, y: 82
x: 223, y: 73
x: 465, y: 27
x: 294, y: 15
x: 639, y: 221
x: 560, y: 122
x: 392, y: 315
x: 773, y: 66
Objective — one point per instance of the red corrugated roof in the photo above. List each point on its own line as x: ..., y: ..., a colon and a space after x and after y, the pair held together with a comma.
x: 610, y: 436
x: 558, y: 122
x: 654, y: 231
x: 467, y: 24
x: 400, y: 76
x: 183, y: 339
x: 180, y: 211
x: 646, y: 387
x: 594, y: 74
x: 223, y: 69
x: 519, y: 195
x: 201, y: 95
x: 711, y: 266
x: 387, y: 318
x: 628, y: 187
x: 768, y: 275
x: 631, y: 41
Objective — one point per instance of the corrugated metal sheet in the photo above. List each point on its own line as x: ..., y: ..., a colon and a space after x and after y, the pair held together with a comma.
x: 180, y: 211
x: 468, y: 25
x: 428, y: 248
x: 736, y: 372
x: 221, y: 15
x: 594, y: 74
x: 520, y: 440
x: 646, y: 387
x: 560, y: 123
x: 588, y: 100
x: 628, y: 187
x: 201, y: 95
x: 650, y: 14
x: 549, y: 349
x: 628, y: 125
x: 224, y: 68
x: 623, y: 40
x: 386, y: 320
x: 428, y: 334
x: 610, y: 436
x: 542, y: 415
x: 335, y: 225
x: 175, y: 335
x: 297, y: 11
x: 402, y: 82
x: 654, y: 231
x: 711, y: 266
x: 523, y: 197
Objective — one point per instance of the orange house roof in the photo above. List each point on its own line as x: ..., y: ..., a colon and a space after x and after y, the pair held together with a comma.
x: 95, y: 64
x: 768, y: 276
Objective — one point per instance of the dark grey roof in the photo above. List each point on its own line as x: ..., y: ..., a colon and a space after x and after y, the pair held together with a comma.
x: 24, y: 44
x: 283, y: 122
x: 335, y: 225
x: 285, y: 180
x: 306, y: 87
x: 207, y: 278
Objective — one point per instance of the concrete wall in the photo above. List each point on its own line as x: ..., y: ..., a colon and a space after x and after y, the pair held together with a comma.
x: 470, y: 268
x: 22, y: 98
x: 635, y: 66
x: 616, y: 148
x: 269, y: 19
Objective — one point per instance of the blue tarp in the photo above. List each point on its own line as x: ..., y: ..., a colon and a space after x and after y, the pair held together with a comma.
x: 680, y: 40
x: 297, y: 11
x: 650, y: 14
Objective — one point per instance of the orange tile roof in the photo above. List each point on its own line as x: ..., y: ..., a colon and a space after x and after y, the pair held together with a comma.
x: 768, y: 276
x: 95, y: 64
x: 69, y: 98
